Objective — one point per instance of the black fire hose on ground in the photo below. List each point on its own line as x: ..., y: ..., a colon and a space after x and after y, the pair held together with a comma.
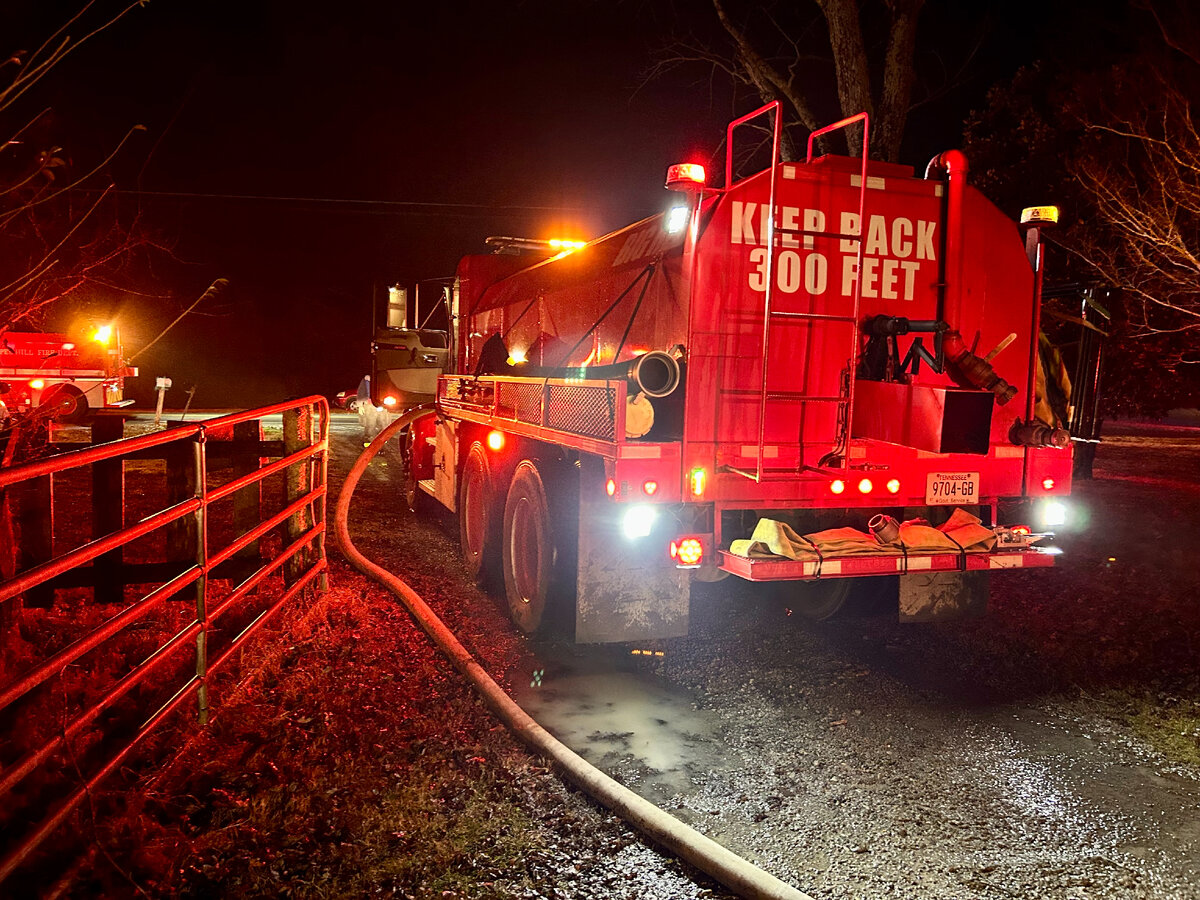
x: 746, y: 879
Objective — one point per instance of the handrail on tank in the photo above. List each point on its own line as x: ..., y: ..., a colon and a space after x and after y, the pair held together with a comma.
x: 308, y: 536
x: 847, y: 412
x: 774, y: 107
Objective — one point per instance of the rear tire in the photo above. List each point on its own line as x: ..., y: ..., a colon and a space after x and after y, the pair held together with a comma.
x: 478, y: 533
x: 528, y: 550
x: 65, y: 403
x: 821, y: 599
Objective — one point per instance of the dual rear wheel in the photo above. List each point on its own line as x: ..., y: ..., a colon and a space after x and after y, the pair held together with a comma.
x: 509, y: 532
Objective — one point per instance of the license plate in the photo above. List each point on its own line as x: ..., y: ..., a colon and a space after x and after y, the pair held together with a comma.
x: 951, y: 488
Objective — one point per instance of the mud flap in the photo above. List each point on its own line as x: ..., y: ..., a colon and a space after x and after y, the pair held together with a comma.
x: 942, y: 596
x: 624, y: 592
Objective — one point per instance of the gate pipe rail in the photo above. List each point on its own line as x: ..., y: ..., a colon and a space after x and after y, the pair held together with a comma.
x: 313, y: 454
x: 660, y: 826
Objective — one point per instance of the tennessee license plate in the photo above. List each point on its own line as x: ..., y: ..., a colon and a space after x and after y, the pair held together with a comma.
x: 949, y: 488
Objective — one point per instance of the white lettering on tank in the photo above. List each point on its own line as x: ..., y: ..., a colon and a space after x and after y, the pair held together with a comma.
x: 925, y: 239
x: 814, y: 220
x: 742, y: 217
x: 758, y: 277
x: 902, y: 230
x: 876, y: 237
x: 849, y: 226
x: 910, y: 271
x: 887, y: 279
x: 816, y: 274
x: 788, y: 223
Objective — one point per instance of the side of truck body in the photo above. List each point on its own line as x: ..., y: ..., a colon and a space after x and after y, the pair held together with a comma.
x: 811, y: 342
x: 56, y: 373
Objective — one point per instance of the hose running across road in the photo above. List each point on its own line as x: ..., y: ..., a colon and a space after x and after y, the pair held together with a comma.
x: 731, y: 870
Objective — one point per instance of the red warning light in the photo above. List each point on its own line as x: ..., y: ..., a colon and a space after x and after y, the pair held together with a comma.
x: 610, y: 487
x: 865, y: 486
x: 495, y: 440
x: 688, y: 551
x: 650, y: 488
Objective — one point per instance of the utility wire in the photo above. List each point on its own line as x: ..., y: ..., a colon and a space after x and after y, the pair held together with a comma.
x: 413, y: 204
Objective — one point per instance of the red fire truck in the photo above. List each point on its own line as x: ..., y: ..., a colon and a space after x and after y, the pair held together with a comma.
x: 823, y: 373
x: 62, y: 376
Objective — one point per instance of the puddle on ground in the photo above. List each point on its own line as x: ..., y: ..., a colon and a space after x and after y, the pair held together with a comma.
x: 622, y: 718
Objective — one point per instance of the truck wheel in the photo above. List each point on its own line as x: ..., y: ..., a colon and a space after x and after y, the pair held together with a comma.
x: 65, y: 403
x: 818, y: 600
x: 477, y: 531
x: 528, y: 549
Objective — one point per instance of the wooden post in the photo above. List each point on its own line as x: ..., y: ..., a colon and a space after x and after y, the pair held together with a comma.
x: 298, y: 434
x: 108, y: 511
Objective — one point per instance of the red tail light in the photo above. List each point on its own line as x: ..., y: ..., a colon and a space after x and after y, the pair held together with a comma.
x: 687, y: 551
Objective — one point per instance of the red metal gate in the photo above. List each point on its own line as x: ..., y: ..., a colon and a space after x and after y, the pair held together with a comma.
x: 74, y: 704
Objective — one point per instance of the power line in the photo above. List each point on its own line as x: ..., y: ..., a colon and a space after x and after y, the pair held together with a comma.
x: 338, y: 201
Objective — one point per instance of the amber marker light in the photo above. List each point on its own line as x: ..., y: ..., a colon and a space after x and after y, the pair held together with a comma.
x: 103, y: 333
x: 1048, y: 484
x: 495, y: 440
x: 865, y: 486
x: 610, y: 487
x: 893, y: 486
x: 389, y: 400
x: 837, y: 486
x: 37, y: 384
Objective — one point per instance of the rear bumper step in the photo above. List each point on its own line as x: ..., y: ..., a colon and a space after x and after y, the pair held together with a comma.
x: 864, y: 564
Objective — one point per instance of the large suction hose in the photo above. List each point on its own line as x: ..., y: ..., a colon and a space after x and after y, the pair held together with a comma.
x: 685, y: 842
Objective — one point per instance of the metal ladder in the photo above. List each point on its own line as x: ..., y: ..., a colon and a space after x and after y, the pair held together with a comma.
x: 845, y: 397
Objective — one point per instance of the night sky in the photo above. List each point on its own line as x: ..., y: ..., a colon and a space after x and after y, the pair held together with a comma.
x: 312, y: 154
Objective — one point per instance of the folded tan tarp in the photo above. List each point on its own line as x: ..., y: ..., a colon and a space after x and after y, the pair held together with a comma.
x: 962, y: 531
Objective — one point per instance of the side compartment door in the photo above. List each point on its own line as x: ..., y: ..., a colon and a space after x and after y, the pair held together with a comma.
x: 445, y: 463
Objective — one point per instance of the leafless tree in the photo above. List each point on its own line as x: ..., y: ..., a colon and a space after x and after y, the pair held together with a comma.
x: 1149, y: 197
x: 58, y: 224
x: 783, y: 60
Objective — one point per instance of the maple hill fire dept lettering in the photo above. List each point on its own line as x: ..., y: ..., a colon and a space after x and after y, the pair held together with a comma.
x: 892, y: 252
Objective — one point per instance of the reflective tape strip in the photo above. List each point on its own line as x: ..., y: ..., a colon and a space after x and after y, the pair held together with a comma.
x: 628, y: 451
x: 789, y: 171
x: 752, y: 450
x: 1006, y: 562
x: 1009, y: 452
x: 832, y: 567
x: 920, y: 562
x: 874, y: 182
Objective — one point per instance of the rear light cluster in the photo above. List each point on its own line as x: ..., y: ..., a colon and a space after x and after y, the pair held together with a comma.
x: 687, y: 551
x: 649, y: 487
x: 865, y: 486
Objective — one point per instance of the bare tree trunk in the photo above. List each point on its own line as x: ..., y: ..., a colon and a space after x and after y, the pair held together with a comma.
x: 850, y: 63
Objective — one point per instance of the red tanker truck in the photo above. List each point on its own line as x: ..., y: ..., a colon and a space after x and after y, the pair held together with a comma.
x: 821, y: 374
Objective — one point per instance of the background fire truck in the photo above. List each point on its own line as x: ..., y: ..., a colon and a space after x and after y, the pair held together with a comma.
x: 61, y: 376
x: 822, y: 374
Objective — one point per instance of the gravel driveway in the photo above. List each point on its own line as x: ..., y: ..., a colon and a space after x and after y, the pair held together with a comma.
x: 862, y: 758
